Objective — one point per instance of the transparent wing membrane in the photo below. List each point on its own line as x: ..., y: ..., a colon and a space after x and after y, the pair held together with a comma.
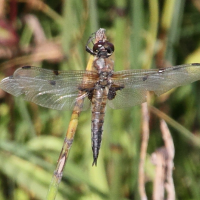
x: 137, y: 82
x: 48, y: 88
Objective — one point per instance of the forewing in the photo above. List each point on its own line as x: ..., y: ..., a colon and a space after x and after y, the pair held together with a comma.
x: 48, y: 88
x: 135, y: 83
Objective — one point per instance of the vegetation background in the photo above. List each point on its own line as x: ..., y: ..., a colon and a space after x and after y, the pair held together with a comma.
x: 52, y: 34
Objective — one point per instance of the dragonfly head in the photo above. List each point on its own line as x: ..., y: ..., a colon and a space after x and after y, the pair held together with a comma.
x: 103, y: 49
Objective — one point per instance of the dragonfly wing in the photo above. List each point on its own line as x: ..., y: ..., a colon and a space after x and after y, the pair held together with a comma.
x: 48, y: 88
x: 11, y: 86
x: 166, y: 79
x: 127, y: 97
x: 137, y: 82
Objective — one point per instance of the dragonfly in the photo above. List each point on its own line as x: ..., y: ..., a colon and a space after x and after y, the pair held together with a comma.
x: 96, y: 88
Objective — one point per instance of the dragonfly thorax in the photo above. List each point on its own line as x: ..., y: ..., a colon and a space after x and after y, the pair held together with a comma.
x: 104, y: 78
x: 103, y: 64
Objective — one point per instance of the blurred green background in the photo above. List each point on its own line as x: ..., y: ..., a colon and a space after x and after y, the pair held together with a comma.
x: 52, y: 34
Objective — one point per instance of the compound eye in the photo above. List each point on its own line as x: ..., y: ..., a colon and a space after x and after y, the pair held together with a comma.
x: 97, y: 46
x: 109, y: 47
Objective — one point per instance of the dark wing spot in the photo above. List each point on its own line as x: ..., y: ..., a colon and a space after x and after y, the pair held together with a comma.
x: 198, y: 64
x: 52, y: 82
x: 26, y: 67
x: 56, y: 72
x: 145, y: 78
x: 90, y: 95
x: 111, y: 93
x: 117, y: 87
x: 88, y: 90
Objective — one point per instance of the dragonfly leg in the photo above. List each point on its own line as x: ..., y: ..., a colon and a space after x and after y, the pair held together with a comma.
x: 90, y: 40
x: 90, y: 50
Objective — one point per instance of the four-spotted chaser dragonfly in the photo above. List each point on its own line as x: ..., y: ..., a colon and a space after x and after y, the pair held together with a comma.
x: 100, y: 87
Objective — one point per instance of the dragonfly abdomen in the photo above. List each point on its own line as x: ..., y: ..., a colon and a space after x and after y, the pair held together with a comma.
x: 98, y: 112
